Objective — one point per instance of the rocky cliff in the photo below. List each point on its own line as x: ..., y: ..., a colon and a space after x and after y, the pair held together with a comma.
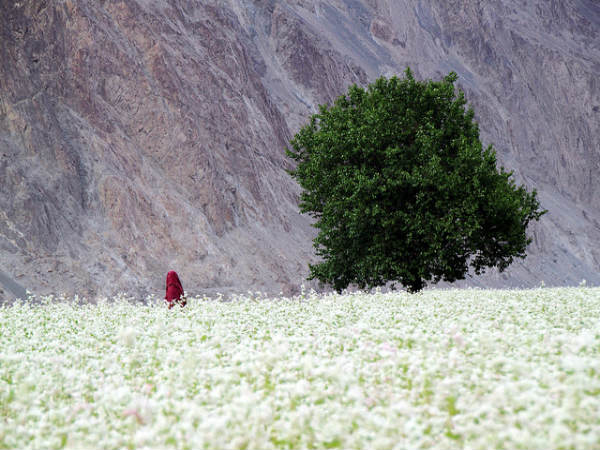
x: 138, y: 136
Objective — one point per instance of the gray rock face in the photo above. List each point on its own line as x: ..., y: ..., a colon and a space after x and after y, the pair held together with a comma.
x: 139, y: 136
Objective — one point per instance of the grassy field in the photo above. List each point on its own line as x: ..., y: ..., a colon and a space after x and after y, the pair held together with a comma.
x: 476, y: 369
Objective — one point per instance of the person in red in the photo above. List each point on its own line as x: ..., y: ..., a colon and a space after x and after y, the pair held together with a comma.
x: 175, y: 292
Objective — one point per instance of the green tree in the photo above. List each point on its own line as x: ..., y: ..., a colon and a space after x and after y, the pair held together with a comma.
x: 402, y: 189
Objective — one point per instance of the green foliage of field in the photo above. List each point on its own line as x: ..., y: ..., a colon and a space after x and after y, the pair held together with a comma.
x: 477, y: 369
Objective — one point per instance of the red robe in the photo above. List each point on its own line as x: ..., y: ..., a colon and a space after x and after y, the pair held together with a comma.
x: 174, y: 292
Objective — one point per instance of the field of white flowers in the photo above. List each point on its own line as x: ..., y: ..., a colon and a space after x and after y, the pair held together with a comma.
x: 476, y: 369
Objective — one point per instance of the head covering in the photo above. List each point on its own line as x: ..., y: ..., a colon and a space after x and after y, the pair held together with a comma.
x: 174, y: 288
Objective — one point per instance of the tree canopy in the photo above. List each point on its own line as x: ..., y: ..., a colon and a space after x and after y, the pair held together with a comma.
x: 402, y: 189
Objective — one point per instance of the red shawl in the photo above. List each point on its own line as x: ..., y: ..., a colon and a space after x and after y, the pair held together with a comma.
x: 174, y: 290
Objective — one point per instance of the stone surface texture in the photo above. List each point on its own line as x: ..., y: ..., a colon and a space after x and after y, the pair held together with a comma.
x: 140, y: 136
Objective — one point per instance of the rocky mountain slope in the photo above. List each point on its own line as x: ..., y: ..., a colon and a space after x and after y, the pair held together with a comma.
x: 138, y: 136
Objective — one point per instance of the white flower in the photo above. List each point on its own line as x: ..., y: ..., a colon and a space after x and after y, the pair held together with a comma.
x: 127, y: 336
x: 458, y: 368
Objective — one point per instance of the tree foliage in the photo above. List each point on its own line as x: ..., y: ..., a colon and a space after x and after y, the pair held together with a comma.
x: 402, y: 189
